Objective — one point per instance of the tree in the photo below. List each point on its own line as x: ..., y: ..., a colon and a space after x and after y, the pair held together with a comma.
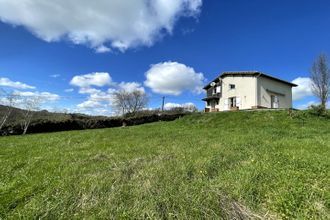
x: 320, y: 76
x: 9, y: 102
x: 126, y: 102
x: 31, y: 104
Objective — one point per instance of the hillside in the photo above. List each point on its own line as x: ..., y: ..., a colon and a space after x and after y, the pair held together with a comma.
x: 266, y: 164
x: 17, y: 115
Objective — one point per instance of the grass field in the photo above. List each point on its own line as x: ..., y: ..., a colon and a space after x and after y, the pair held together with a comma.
x: 218, y: 165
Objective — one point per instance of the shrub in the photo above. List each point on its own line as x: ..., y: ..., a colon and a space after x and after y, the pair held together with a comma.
x: 317, y: 110
x: 80, y: 122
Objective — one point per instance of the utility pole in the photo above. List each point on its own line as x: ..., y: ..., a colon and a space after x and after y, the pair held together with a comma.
x: 163, y: 103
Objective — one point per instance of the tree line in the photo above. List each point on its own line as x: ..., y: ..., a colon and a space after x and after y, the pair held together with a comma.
x: 130, y: 105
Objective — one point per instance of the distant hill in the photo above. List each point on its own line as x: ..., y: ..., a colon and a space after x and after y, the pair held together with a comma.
x: 18, y: 115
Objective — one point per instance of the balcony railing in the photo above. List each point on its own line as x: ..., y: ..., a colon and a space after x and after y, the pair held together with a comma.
x: 212, y: 96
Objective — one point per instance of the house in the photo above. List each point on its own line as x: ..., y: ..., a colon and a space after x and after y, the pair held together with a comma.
x: 247, y: 90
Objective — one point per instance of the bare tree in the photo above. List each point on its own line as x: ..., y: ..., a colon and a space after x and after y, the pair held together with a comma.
x: 320, y: 76
x: 9, y: 101
x: 31, y: 104
x: 126, y: 102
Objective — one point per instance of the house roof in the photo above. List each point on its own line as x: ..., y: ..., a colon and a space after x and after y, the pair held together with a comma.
x: 247, y: 73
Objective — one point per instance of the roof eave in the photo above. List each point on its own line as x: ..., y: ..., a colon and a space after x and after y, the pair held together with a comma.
x: 248, y: 73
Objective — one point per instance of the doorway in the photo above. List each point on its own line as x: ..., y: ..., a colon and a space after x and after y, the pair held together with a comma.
x: 274, y: 101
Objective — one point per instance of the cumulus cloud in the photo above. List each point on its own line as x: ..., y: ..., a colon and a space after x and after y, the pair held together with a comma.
x: 20, y: 98
x: 98, y: 103
x: 43, y: 96
x: 99, y: 89
x: 173, y: 78
x: 92, y: 79
x: 88, y: 90
x: 131, y: 86
x: 189, y: 106
x: 117, y: 23
x: 304, y: 88
x: 102, y: 49
x: 16, y: 85
x: 89, y: 104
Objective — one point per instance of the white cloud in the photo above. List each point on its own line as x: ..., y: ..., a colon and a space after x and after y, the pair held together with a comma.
x: 44, y: 96
x: 171, y: 105
x: 99, y: 89
x: 304, y: 88
x: 89, y: 104
x: 20, y: 98
x: 102, y: 96
x: 102, y: 49
x: 188, y: 105
x: 88, y: 90
x: 96, y: 99
x: 16, y: 85
x: 96, y: 104
x: 131, y: 86
x: 173, y: 78
x: 118, y: 23
x: 92, y: 79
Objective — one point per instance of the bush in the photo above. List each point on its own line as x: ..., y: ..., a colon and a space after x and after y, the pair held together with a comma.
x: 317, y: 110
x: 77, y: 122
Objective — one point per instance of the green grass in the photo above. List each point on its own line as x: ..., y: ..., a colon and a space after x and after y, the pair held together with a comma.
x: 221, y: 165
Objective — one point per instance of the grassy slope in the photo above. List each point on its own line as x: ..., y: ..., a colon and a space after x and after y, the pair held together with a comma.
x: 210, y: 165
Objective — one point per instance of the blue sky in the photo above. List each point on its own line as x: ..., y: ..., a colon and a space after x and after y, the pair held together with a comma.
x: 46, y: 48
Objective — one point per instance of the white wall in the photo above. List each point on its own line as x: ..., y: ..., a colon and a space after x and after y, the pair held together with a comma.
x: 281, y: 90
x: 245, y: 90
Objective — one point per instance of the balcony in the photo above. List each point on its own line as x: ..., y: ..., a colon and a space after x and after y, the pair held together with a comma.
x: 212, y: 96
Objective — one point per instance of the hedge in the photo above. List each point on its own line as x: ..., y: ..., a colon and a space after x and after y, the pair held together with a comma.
x: 42, y: 126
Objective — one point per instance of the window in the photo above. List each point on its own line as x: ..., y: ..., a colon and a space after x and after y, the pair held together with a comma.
x: 232, y: 86
x: 218, y: 89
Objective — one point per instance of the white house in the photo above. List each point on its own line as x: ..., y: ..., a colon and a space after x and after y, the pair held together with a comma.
x: 247, y: 90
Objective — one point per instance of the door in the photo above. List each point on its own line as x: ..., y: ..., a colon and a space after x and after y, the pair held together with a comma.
x: 274, y: 101
x: 238, y: 102
x: 213, y: 104
x: 232, y: 102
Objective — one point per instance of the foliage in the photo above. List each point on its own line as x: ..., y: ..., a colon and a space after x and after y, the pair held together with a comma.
x: 80, y: 122
x: 317, y: 110
x: 229, y: 165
